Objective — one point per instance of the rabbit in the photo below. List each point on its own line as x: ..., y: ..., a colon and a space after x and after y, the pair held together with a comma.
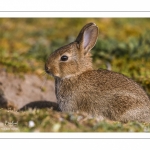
x: 98, y: 93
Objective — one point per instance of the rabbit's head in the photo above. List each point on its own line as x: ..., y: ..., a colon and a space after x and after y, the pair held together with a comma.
x: 74, y: 58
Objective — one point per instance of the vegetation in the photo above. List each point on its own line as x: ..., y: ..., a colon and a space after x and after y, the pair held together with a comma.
x: 123, y: 43
x: 47, y: 120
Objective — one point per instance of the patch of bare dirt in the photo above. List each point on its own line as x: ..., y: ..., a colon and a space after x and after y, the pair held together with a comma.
x: 24, y: 90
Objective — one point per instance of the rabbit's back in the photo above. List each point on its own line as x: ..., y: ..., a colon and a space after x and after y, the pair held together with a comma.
x: 101, y: 92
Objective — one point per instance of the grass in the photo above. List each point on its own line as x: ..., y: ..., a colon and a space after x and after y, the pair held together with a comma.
x: 47, y: 120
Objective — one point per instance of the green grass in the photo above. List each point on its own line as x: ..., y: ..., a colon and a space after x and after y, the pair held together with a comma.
x: 47, y: 120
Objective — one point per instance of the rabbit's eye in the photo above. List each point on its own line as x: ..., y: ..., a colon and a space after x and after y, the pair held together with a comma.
x: 64, y: 58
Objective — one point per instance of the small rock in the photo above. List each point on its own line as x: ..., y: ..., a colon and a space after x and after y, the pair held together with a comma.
x: 31, y: 124
x: 56, y: 127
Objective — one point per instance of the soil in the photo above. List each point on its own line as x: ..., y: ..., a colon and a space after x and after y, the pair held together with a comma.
x: 27, y: 90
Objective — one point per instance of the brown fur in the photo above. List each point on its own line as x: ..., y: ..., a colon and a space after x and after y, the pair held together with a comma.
x: 100, y: 93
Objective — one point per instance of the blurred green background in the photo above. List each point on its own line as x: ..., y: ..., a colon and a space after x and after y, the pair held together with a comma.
x: 123, y: 44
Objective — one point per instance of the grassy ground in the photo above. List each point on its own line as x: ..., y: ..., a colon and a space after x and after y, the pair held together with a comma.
x: 26, y: 43
x: 47, y: 120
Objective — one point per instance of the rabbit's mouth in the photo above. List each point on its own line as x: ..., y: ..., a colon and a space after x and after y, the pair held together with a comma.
x: 49, y: 72
x: 52, y: 75
x: 47, y: 69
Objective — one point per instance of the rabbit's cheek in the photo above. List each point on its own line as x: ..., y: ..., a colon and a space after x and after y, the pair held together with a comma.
x: 55, y: 73
x: 68, y: 68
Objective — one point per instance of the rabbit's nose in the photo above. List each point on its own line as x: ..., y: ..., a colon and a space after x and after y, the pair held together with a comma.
x: 47, y: 69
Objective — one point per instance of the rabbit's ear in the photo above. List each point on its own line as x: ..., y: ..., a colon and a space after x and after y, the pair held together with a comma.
x: 87, y: 37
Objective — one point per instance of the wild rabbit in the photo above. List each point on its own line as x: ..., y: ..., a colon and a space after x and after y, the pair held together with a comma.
x: 99, y: 93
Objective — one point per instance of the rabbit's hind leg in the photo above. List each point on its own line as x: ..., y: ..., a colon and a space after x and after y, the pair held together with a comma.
x: 137, y: 115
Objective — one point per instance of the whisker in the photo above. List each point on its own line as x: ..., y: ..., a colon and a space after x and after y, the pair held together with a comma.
x: 44, y: 76
x: 43, y: 73
x: 45, y: 79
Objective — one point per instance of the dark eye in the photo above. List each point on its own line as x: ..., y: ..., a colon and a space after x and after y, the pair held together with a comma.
x: 64, y: 58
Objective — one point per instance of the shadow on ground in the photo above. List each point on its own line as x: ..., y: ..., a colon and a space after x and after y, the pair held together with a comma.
x: 40, y: 105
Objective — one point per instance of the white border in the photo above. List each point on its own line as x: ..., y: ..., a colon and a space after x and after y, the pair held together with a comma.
x: 74, y: 8
x: 72, y: 14
x: 94, y: 144
x: 74, y: 5
x: 76, y: 135
x: 93, y: 9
